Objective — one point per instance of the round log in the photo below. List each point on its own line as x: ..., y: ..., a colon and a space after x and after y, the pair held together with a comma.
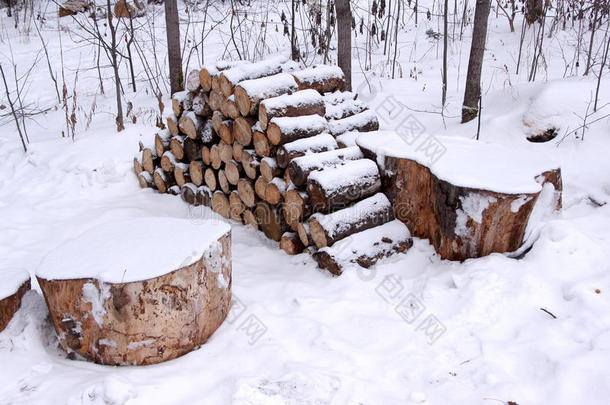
x: 14, y: 283
x: 119, y: 303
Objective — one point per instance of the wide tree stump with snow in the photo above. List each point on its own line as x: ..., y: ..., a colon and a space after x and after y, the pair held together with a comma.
x: 13, y: 286
x: 139, y: 292
x: 473, y: 200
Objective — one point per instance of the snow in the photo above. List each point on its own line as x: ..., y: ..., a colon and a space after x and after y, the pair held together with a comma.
x: 329, y: 158
x: 472, y: 206
x: 354, y: 122
x: 313, y: 143
x: 495, y: 168
x: 297, y: 99
x: 130, y: 250
x: 241, y: 72
x: 342, y: 220
x: 318, y: 73
x: 348, y: 107
x: 369, y: 243
x: 269, y: 86
x: 338, y: 97
x: 344, y: 174
x: 348, y: 138
x: 11, y: 279
x: 328, y: 340
x: 310, y: 123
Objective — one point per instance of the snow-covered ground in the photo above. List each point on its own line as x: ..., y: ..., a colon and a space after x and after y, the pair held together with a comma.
x: 475, y: 332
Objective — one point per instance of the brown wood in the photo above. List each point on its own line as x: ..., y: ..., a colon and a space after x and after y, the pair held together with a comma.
x: 293, y: 106
x: 275, y: 190
x: 238, y: 150
x: 162, y: 142
x: 236, y: 205
x: 210, y: 178
x: 169, y: 315
x: 181, y: 101
x: 181, y: 174
x: 223, y: 183
x: 283, y: 130
x: 250, y: 93
x: 301, y: 167
x: 226, y: 131
x: 296, y: 207
x: 149, y: 160
x: 137, y: 166
x: 331, y: 80
x: 196, y: 169
x: 269, y: 169
x: 220, y: 204
x: 245, y: 187
x: 205, y: 155
x: 229, y: 109
x: 304, y: 235
x: 365, y: 121
x: 217, y: 120
x: 176, y: 146
x: 345, y: 109
x: 262, y: 146
x: 188, y: 192
x: 192, y: 149
x: 163, y: 180
x: 250, y: 218
x: 250, y: 163
x: 205, y: 78
x: 242, y: 130
x: 291, y: 243
x: 260, y: 186
x: 225, y: 152
x: 270, y: 219
x: 293, y: 150
x: 375, y: 244
x: 172, y: 125
x: 368, y: 213
x: 191, y: 125
x: 215, y: 157
x: 174, y: 190
x: 233, y: 171
x: 229, y: 78
x: 146, y: 180
x: 168, y: 161
x: 215, y: 100
x: 325, y: 198
x: 11, y: 304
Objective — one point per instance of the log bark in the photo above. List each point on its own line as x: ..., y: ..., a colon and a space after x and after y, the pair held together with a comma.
x: 322, y: 78
x: 287, y: 129
x: 304, y: 102
x: 242, y: 130
x: 335, y: 187
x: 192, y: 150
x: 249, y: 93
x: 11, y: 304
x: 291, y: 243
x: 365, y: 248
x: 270, y: 219
x: 301, y: 167
x: 368, y: 213
x: 196, y: 168
x: 302, y: 147
x: 144, y: 322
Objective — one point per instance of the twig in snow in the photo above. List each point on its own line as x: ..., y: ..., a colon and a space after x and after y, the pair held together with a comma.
x: 548, y: 312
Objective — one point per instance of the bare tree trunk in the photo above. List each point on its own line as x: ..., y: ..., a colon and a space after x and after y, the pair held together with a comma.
x: 294, y: 54
x: 172, y: 29
x: 115, y: 67
x: 445, y: 18
x: 475, y: 63
x: 592, y: 40
x: 13, y: 112
x: 344, y: 39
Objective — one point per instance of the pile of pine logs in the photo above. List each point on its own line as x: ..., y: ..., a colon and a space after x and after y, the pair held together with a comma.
x: 265, y: 144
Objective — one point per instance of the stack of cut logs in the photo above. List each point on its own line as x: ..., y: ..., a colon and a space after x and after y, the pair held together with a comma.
x: 272, y: 145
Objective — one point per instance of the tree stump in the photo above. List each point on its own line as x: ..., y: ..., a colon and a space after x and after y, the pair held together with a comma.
x: 139, y: 292
x: 474, y: 200
x: 13, y: 286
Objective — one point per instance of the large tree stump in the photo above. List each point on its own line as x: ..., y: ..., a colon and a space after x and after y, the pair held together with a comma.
x: 474, y: 200
x: 118, y: 294
x: 13, y: 286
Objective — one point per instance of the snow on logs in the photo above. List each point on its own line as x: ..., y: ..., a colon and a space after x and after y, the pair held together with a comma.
x: 14, y: 283
x: 466, y: 209
x: 245, y: 138
x: 115, y: 302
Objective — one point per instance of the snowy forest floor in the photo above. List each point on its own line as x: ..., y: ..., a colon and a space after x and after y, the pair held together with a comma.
x: 328, y: 340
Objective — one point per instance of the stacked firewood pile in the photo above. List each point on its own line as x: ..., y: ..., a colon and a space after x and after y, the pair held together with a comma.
x: 272, y: 145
